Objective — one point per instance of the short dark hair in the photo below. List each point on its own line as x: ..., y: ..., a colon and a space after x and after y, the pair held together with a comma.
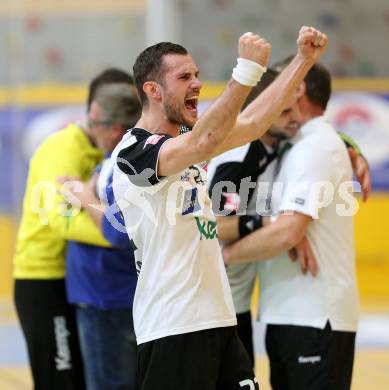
x: 149, y: 65
x: 108, y: 76
x: 268, y: 77
x: 317, y: 81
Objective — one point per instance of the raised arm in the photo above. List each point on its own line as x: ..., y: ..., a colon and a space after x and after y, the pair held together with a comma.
x: 257, y: 118
x: 216, y: 123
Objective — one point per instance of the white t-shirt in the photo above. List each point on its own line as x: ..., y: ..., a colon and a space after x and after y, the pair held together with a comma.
x: 182, y: 284
x: 287, y: 296
x: 254, y: 162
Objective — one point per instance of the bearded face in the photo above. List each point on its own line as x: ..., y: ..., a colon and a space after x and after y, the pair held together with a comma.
x: 175, y: 111
x: 180, y: 89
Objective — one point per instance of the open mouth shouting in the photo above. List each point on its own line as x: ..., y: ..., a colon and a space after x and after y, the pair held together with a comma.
x: 191, y: 103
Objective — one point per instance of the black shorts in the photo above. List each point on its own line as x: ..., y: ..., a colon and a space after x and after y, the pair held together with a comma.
x: 212, y: 359
x: 49, y: 327
x: 305, y: 358
x: 245, y: 332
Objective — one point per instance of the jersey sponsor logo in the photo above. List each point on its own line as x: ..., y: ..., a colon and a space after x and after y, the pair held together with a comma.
x: 153, y: 140
x: 299, y: 201
x: 309, y: 359
x: 191, y: 203
x: 207, y: 229
x: 193, y: 175
x: 63, y: 359
x: 196, y: 175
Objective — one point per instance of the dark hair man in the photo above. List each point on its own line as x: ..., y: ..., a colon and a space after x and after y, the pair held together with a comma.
x: 311, y: 322
x: 183, y: 312
x: 240, y: 182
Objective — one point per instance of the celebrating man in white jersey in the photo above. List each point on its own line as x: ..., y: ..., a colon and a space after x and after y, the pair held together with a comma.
x: 183, y: 313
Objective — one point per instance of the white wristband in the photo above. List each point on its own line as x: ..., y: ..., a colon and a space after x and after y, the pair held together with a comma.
x: 248, y: 72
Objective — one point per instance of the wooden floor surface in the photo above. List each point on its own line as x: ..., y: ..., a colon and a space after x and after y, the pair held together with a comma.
x: 371, y: 368
x: 371, y: 372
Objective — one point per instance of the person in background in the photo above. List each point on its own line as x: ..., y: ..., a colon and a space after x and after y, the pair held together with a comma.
x: 101, y: 281
x: 311, y: 321
x: 239, y: 211
x: 46, y: 318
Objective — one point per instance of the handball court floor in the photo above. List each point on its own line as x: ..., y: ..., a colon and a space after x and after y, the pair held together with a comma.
x: 371, y: 369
